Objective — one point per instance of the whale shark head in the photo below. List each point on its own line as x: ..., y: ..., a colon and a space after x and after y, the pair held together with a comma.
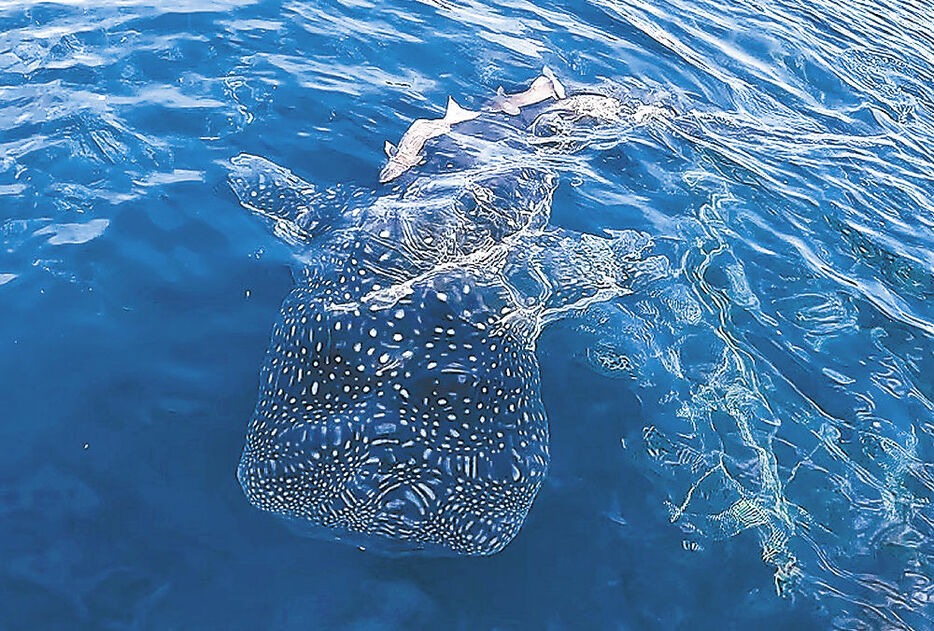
x: 415, y: 428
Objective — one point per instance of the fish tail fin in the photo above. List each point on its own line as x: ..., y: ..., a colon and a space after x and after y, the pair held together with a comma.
x: 555, y: 84
x: 457, y: 114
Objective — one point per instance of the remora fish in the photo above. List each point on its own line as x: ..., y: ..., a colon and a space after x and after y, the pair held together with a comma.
x: 545, y: 86
x: 409, y: 151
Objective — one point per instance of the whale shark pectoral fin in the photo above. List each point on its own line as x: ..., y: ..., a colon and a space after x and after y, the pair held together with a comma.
x: 457, y: 114
x: 297, y: 210
x: 390, y: 149
x: 556, y: 86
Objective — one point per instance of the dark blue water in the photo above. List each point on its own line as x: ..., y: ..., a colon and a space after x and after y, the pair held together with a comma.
x: 766, y: 466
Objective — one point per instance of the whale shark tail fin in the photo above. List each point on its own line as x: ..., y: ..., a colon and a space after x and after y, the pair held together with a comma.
x: 457, y: 114
x: 555, y: 84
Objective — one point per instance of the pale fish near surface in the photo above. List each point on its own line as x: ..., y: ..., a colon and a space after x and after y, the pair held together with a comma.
x: 409, y: 151
x: 545, y: 86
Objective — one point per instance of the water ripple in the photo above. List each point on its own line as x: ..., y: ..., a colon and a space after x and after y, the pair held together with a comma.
x: 773, y: 388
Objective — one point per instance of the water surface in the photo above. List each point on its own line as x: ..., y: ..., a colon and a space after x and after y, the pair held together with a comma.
x: 785, y: 484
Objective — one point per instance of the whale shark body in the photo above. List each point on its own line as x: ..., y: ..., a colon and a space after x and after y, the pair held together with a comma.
x: 400, y: 404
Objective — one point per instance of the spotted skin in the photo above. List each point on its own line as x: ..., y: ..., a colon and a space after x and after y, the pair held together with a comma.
x: 387, y: 423
x: 400, y: 401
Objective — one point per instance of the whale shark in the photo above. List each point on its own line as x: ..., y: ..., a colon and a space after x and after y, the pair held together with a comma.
x: 409, y: 151
x: 545, y: 86
x: 399, y: 404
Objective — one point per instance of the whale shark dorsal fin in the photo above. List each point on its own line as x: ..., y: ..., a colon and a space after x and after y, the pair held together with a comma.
x: 390, y: 149
x: 457, y: 114
x: 500, y: 91
x: 555, y: 84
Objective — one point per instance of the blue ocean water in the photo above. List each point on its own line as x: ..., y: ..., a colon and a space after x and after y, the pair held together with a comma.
x: 766, y: 465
